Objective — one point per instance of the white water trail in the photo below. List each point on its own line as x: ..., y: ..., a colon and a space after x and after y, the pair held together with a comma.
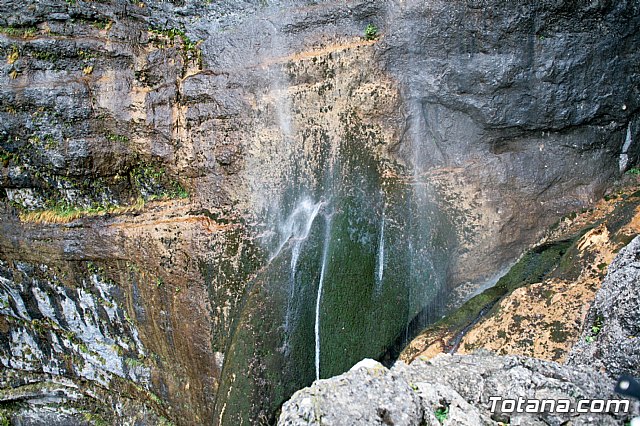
x: 325, y: 252
x: 380, y: 268
x: 296, y: 228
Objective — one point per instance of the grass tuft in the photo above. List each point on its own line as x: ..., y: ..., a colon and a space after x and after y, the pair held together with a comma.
x: 65, y: 213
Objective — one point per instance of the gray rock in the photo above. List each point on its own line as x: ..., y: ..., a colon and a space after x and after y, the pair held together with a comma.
x: 52, y: 324
x: 611, y: 339
x: 461, y: 385
x: 367, y: 394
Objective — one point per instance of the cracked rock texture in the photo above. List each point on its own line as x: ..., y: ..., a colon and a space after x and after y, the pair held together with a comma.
x: 539, y: 307
x: 462, y: 384
x: 614, y: 347
x: 149, y: 150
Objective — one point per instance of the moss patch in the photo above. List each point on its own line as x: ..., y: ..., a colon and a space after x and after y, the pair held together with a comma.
x: 531, y: 268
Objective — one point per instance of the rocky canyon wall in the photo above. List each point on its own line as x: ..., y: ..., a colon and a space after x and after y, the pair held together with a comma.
x: 205, y: 205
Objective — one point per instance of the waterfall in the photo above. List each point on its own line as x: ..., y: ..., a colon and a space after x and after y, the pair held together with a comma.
x: 378, y: 219
x: 323, y: 269
x: 380, y: 259
x: 296, y: 228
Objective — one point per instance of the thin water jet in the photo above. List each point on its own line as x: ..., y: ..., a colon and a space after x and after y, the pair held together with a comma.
x: 380, y: 259
x: 323, y: 269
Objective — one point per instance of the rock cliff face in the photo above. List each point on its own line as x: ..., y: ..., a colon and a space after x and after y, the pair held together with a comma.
x: 609, y: 340
x: 457, y: 389
x: 539, y: 307
x: 197, y: 196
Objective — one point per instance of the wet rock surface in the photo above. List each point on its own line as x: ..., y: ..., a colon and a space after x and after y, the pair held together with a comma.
x: 462, y: 385
x: 162, y: 135
x: 539, y: 307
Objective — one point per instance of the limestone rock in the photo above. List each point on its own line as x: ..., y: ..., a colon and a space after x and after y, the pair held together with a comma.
x: 368, y: 394
x: 610, y: 341
x: 457, y: 387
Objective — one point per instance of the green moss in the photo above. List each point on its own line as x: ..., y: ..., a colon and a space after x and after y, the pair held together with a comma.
x: 358, y: 318
x: 558, y: 332
x: 112, y: 137
x: 64, y: 210
x: 153, y: 183
x: 533, y: 267
x: 19, y: 31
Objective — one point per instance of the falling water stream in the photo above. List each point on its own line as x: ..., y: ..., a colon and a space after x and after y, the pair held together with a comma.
x: 336, y: 290
x: 380, y: 259
x: 323, y: 269
x: 296, y: 229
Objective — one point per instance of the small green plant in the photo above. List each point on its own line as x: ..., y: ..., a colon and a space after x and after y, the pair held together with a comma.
x: 6, y: 157
x: 13, y: 55
x: 5, y: 420
x: 442, y: 413
x: 44, y: 55
x: 371, y: 32
x: 179, y: 191
x: 85, y: 55
x: 95, y: 419
x: 112, y: 137
x: 172, y: 34
x: 153, y: 397
x: 50, y: 142
x: 133, y: 362
x: 102, y: 24
x: 633, y: 171
x: 595, y: 329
